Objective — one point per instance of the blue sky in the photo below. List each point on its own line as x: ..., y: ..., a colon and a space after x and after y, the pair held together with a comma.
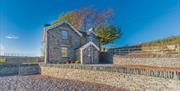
x: 21, y: 21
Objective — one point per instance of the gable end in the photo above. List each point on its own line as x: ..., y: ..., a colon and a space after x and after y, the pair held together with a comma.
x: 64, y: 22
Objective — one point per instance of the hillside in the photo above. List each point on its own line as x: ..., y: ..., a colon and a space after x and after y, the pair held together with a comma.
x: 162, y: 42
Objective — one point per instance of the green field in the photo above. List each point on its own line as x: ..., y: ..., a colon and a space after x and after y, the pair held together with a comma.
x: 35, y: 61
x: 2, y: 59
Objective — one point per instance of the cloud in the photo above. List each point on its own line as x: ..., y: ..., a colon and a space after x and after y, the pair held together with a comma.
x: 1, y: 47
x: 11, y: 37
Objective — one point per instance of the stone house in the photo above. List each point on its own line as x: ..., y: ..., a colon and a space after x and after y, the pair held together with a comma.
x: 63, y: 42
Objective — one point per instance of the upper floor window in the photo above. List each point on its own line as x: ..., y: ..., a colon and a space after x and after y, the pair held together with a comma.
x: 64, y: 34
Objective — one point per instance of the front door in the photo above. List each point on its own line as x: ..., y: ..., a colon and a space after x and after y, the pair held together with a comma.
x: 90, y: 55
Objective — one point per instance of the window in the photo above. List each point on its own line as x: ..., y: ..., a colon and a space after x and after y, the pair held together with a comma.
x: 64, y: 34
x: 64, y: 52
x: 52, y: 52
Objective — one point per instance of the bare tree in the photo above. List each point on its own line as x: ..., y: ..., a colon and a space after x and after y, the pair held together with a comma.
x: 87, y: 17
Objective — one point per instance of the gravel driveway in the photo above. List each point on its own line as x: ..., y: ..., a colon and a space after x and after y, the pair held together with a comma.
x: 43, y: 83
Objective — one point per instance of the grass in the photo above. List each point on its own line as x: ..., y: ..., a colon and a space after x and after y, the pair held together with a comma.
x: 35, y: 61
x: 2, y: 59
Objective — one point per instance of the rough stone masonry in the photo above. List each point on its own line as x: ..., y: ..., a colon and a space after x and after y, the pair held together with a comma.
x: 128, y: 81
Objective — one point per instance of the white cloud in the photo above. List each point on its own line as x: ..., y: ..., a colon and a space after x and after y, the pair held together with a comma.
x: 11, y: 37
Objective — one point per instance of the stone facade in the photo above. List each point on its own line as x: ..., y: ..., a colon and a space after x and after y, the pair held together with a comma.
x: 63, y: 36
x: 128, y: 81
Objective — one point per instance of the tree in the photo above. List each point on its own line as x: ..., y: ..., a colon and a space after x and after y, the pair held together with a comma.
x: 108, y: 33
x: 88, y: 17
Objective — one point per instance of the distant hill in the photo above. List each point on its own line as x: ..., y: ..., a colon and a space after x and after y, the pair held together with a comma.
x: 165, y: 41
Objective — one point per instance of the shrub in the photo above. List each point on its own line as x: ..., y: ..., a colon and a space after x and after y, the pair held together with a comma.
x: 2, y: 59
x: 72, y: 62
x: 77, y: 62
x: 60, y: 62
x: 67, y: 62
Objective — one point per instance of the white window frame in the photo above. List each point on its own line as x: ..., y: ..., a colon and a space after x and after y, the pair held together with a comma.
x: 64, y: 35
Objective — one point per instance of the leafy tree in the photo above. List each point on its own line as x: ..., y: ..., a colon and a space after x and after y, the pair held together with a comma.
x: 70, y: 17
x: 108, y: 33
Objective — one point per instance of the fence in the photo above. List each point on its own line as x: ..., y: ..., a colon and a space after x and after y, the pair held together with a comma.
x: 168, y: 50
x: 17, y: 54
x: 147, y: 55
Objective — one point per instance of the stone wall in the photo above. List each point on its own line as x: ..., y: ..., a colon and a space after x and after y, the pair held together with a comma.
x: 162, y: 73
x: 19, y: 69
x: 149, y: 61
x: 109, y: 76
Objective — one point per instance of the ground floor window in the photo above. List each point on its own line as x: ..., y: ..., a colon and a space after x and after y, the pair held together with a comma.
x: 52, y: 52
x: 64, y: 52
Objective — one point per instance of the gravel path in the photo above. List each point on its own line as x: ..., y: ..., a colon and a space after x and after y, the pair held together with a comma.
x: 42, y: 83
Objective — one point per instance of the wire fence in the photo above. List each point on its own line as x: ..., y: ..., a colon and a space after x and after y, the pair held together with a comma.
x: 17, y: 54
x: 137, y: 51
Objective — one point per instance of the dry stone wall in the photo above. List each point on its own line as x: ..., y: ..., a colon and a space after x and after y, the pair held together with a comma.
x: 130, y: 78
x: 149, y: 61
x: 168, y: 74
x: 128, y: 81
x: 21, y: 69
